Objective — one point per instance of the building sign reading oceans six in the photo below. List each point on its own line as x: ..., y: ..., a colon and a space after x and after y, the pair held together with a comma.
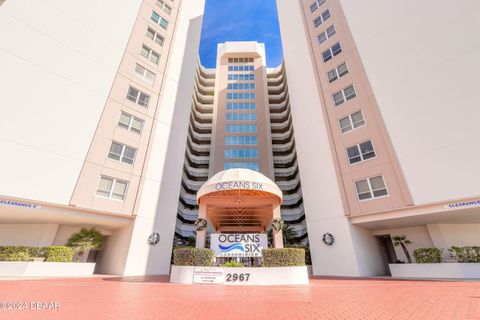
x: 238, y: 245
x: 229, y: 185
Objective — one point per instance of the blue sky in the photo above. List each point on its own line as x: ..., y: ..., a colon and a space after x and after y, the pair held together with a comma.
x: 240, y: 20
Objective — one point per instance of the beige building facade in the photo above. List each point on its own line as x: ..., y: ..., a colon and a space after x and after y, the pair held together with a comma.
x: 115, y: 88
x: 241, y: 119
x: 372, y: 87
x: 368, y: 127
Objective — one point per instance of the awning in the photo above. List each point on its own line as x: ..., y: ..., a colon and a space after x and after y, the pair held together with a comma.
x: 239, y: 179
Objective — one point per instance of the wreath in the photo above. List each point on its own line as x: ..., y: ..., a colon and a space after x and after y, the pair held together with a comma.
x: 200, y: 224
x: 328, y: 239
x: 277, y: 224
x: 153, y: 238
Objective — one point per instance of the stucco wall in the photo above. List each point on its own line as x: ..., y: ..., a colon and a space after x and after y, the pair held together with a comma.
x: 421, y: 58
x: 324, y: 207
x: 58, y: 61
x: 157, y: 206
x: 35, y: 235
x: 418, y: 236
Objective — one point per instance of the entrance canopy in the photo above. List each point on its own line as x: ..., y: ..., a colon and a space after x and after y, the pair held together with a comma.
x: 239, y: 200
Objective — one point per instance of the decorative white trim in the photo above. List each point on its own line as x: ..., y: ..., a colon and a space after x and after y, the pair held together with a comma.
x: 256, y: 276
x: 436, y: 270
x: 45, y: 269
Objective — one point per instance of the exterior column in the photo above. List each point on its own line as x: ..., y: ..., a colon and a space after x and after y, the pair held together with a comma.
x: 202, y: 234
x: 277, y: 235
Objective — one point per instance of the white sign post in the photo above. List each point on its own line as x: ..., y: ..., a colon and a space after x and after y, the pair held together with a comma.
x: 238, y: 245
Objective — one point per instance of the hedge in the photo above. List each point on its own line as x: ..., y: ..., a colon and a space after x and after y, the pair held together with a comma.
x: 283, y: 257
x: 428, y: 255
x: 467, y: 254
x: 193, y: 257
x: 232, y: 264
x: 20, y: 253
x: 59, y: 254
x: 308, y: 257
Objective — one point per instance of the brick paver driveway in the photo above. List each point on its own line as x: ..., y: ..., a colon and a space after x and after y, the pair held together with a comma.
x: 155, y: 298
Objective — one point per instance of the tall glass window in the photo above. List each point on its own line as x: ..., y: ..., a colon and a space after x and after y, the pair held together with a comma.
x: 240, y: 153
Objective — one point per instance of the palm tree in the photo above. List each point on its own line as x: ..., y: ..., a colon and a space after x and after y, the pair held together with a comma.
x: 402, y: 241
x: 289, y: 234
x: 86, y: 240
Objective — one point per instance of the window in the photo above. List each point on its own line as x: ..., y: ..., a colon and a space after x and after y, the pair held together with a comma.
x: 331, y: 52
x: 322, y: 37
x: 244, y: 165
x: 371, y: 188
x: 235, y: 140
x: 241, y: 76
x: 150, y: 54
x: 138, y: 96
x: 350, y: 122
x: 131, y: 123
x: 321, y: 18
x: 147, y: 75
x: 344, y: 95
x: 240, y: 95
x: 241, y: 68
x: 159, y: 20
x: 241, y: 86
x: 337, y: 72
x: 240, y: 153
x: 241, y: 106
x: 151, y: 34
x: 241, y: 128
x: 360, y: 152
x: 122, y: 152
x: 239, y: 60
x: 164, y: 7
x: 314, y: 6
x: 251, y: 116
x: 112, y: 188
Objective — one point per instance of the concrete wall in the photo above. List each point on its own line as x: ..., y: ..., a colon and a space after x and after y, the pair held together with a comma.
x: 421, y: 58
x: 419, y: 237
x: 113, y: 257
x: 157, y: 207
x: 447, y: 235
x: 324, y: 208
x: 35, y: 235
x: 58, y: 61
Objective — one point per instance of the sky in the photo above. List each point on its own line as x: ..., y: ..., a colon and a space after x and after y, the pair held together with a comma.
x: 240, y: 20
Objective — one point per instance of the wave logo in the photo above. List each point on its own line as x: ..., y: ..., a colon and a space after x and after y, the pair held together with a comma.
x: 231, y: 247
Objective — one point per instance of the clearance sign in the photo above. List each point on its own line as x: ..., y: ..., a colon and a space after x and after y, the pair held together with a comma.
x: 238, y: 245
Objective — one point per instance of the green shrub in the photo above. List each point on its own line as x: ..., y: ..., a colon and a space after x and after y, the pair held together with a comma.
x: 466, y: 254
x: 308, y: 257
x: 193, y: 257
x: 58, y: 254
x: 428, y: 255
x: 283, y: 257
x: 86, y: 239
x: 232, y: 264
x: 20, y: 253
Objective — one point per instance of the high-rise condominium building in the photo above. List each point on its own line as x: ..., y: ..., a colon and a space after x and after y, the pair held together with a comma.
x: 95, y: 118
x: 241, y: 119
x: 368, y: 127
x: 385, y: 120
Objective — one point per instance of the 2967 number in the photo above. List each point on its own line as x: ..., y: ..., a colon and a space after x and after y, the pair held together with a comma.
x: 233, y: 277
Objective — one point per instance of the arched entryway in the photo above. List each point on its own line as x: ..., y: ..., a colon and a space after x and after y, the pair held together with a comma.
x: 239, y: 201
